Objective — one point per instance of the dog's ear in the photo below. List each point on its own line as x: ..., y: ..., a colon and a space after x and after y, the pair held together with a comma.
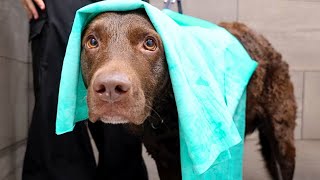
x: 146, y: 1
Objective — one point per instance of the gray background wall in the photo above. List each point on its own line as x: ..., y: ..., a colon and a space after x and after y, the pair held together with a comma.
x: 15, y: 89
x: 292, y: 26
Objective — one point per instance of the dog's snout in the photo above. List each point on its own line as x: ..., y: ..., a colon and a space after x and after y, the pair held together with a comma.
x: 111, y: 87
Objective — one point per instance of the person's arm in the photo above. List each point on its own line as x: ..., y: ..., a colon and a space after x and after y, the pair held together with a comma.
x: 30, y: 7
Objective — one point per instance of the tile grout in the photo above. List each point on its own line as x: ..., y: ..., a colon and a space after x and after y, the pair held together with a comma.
x: 15, y: 145
x: 302, y: 104
x: 304, y: 70
x: 14, y: 59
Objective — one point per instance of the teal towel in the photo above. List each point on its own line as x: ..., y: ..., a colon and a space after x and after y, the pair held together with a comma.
x: 209, y: 71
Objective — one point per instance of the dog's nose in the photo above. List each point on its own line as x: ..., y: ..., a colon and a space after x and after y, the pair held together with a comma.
x: 111, y: 87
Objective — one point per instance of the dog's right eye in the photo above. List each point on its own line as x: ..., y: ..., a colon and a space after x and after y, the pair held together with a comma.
x: 92, y: 43
x: 150, y: 44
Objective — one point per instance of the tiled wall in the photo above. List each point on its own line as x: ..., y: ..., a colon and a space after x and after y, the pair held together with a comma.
x: 311, y: 105
x: 14, y: 88
x: 293, y: 27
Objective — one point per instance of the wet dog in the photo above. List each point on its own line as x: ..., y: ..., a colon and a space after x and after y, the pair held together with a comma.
x: 125, y: 71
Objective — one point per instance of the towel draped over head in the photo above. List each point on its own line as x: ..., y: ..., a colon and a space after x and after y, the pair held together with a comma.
x: 209, y: 71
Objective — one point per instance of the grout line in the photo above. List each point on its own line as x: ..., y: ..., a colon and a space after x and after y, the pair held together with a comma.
x: 306, y: 1
x: 309, y: 139
x: 15, y: 146
x: 302, y: 104
x: 302, y: 70
x: 311, y: 70
x: 14, y: 59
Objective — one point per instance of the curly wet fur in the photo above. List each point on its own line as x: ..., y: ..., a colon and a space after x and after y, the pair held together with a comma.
x: 271, y: 107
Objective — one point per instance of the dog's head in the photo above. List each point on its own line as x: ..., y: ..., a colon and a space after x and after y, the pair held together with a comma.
x: 123, y: 65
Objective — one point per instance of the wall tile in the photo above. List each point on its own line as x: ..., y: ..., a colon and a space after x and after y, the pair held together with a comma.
x: 14, y: 102
x: 298, y: 129
x: 211, y: 10
x: 11, y: 161
x: 289, y: 25
x: 307, y: 160
x: 297, y: 80
x: 13, y: 31
x: 311, y: 104
x: 16, y: 174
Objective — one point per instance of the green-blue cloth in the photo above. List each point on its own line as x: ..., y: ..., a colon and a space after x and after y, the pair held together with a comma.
x: 209, y: 71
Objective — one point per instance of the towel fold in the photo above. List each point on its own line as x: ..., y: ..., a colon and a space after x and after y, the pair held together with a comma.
x: 209, y: 71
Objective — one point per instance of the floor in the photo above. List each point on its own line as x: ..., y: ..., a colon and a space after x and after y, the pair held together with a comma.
x: 307, y: 162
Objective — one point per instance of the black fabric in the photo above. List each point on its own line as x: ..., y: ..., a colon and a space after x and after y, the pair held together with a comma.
x: 127, y: 166
x: 69, y: 156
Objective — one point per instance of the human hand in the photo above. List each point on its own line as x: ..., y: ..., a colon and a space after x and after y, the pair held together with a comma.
x: 30, y: 7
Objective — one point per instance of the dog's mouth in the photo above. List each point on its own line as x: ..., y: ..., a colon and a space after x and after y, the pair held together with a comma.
x: 133, y: 109
x: 114, y: 120
x: 118, y: 116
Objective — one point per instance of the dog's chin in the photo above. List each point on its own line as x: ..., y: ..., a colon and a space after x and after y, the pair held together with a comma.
x: 118, y: 120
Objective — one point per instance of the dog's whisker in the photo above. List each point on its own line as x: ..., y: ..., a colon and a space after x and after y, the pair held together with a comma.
x: 161, y: 119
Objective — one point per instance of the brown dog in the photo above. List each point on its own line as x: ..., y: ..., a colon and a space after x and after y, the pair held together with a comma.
x: 126, y: 74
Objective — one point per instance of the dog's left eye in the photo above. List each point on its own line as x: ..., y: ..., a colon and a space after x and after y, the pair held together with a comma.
x: 150, y: 44
x: 92, y: 43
